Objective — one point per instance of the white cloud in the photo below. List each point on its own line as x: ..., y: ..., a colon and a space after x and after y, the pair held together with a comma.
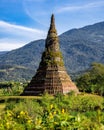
x: 18, y: 30
x: 13, y: 26
x: 13, y: 36
x: 6, y: 46
x: 79, y: 7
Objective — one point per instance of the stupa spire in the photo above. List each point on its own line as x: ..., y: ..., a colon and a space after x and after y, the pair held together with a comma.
x: 52, y: 41
x: 52, y: 19
x: 52, y: 28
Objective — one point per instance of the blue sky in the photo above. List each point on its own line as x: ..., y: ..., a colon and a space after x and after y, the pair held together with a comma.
x: 22, y: 21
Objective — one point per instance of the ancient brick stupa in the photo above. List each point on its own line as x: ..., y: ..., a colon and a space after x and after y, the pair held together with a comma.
x: 51, y: 76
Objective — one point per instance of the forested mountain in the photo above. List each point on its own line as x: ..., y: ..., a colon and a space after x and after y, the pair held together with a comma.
x: 80, y: 47
x: 3, y: 52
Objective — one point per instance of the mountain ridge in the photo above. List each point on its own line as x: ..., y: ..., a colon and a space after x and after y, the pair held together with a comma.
x: 80, y: 47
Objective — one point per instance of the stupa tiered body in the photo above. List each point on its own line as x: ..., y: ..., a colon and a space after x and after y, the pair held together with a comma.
x: 51, y: 76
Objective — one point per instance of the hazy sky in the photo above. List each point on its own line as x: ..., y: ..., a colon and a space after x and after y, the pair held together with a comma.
x: 22, y: 21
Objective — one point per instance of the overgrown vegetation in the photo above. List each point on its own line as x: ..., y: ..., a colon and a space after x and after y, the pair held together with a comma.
x: 93, y: 80
x: 69, y: 112
x: 52, y: 58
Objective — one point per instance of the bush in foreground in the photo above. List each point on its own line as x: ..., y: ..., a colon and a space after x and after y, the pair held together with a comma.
x: 69, y: 112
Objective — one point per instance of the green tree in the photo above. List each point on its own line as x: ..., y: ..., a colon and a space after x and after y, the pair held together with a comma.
x: 93, y: 80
